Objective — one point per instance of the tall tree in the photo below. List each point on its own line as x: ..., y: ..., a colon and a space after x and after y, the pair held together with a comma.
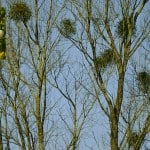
x: 30, y: 57
x: 108, y: 33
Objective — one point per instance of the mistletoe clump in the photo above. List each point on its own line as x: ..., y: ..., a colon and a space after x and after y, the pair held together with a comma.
x: 67, y: 27
x: 105, y: 59
x: 144, y: 81
x: 125, y: 26
x: 2, y: 13
x: 20, y: 11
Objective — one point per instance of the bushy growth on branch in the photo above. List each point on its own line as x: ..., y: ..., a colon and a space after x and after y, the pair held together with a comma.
x: 20, y: 11
x: 67, y: 27
x: 144, y: 81
x: 125, y: 26
x: 105, y: 59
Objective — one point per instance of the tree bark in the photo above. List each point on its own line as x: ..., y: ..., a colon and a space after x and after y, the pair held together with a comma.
x: 114, y: 132
x: 1, y: 140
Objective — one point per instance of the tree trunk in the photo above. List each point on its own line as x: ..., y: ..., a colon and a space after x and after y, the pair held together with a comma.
x: 39, y: 125
x: 114, y: 133
x: 40, y: 136
x: 1, y: 141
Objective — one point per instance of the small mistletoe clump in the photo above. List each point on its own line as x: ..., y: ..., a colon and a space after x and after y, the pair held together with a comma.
x: 105, y: 59
x: 20, y: 11
x: 125, y: 26
x: 2, y: 13
x: 133, y: 138
x: 143, y: 81
x: 67, y: 27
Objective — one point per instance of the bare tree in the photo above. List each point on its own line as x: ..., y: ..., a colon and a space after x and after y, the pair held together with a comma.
x: 31, y: 56
x: 74, y: 87
x: 108, y: 33
x: 39, y: 64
